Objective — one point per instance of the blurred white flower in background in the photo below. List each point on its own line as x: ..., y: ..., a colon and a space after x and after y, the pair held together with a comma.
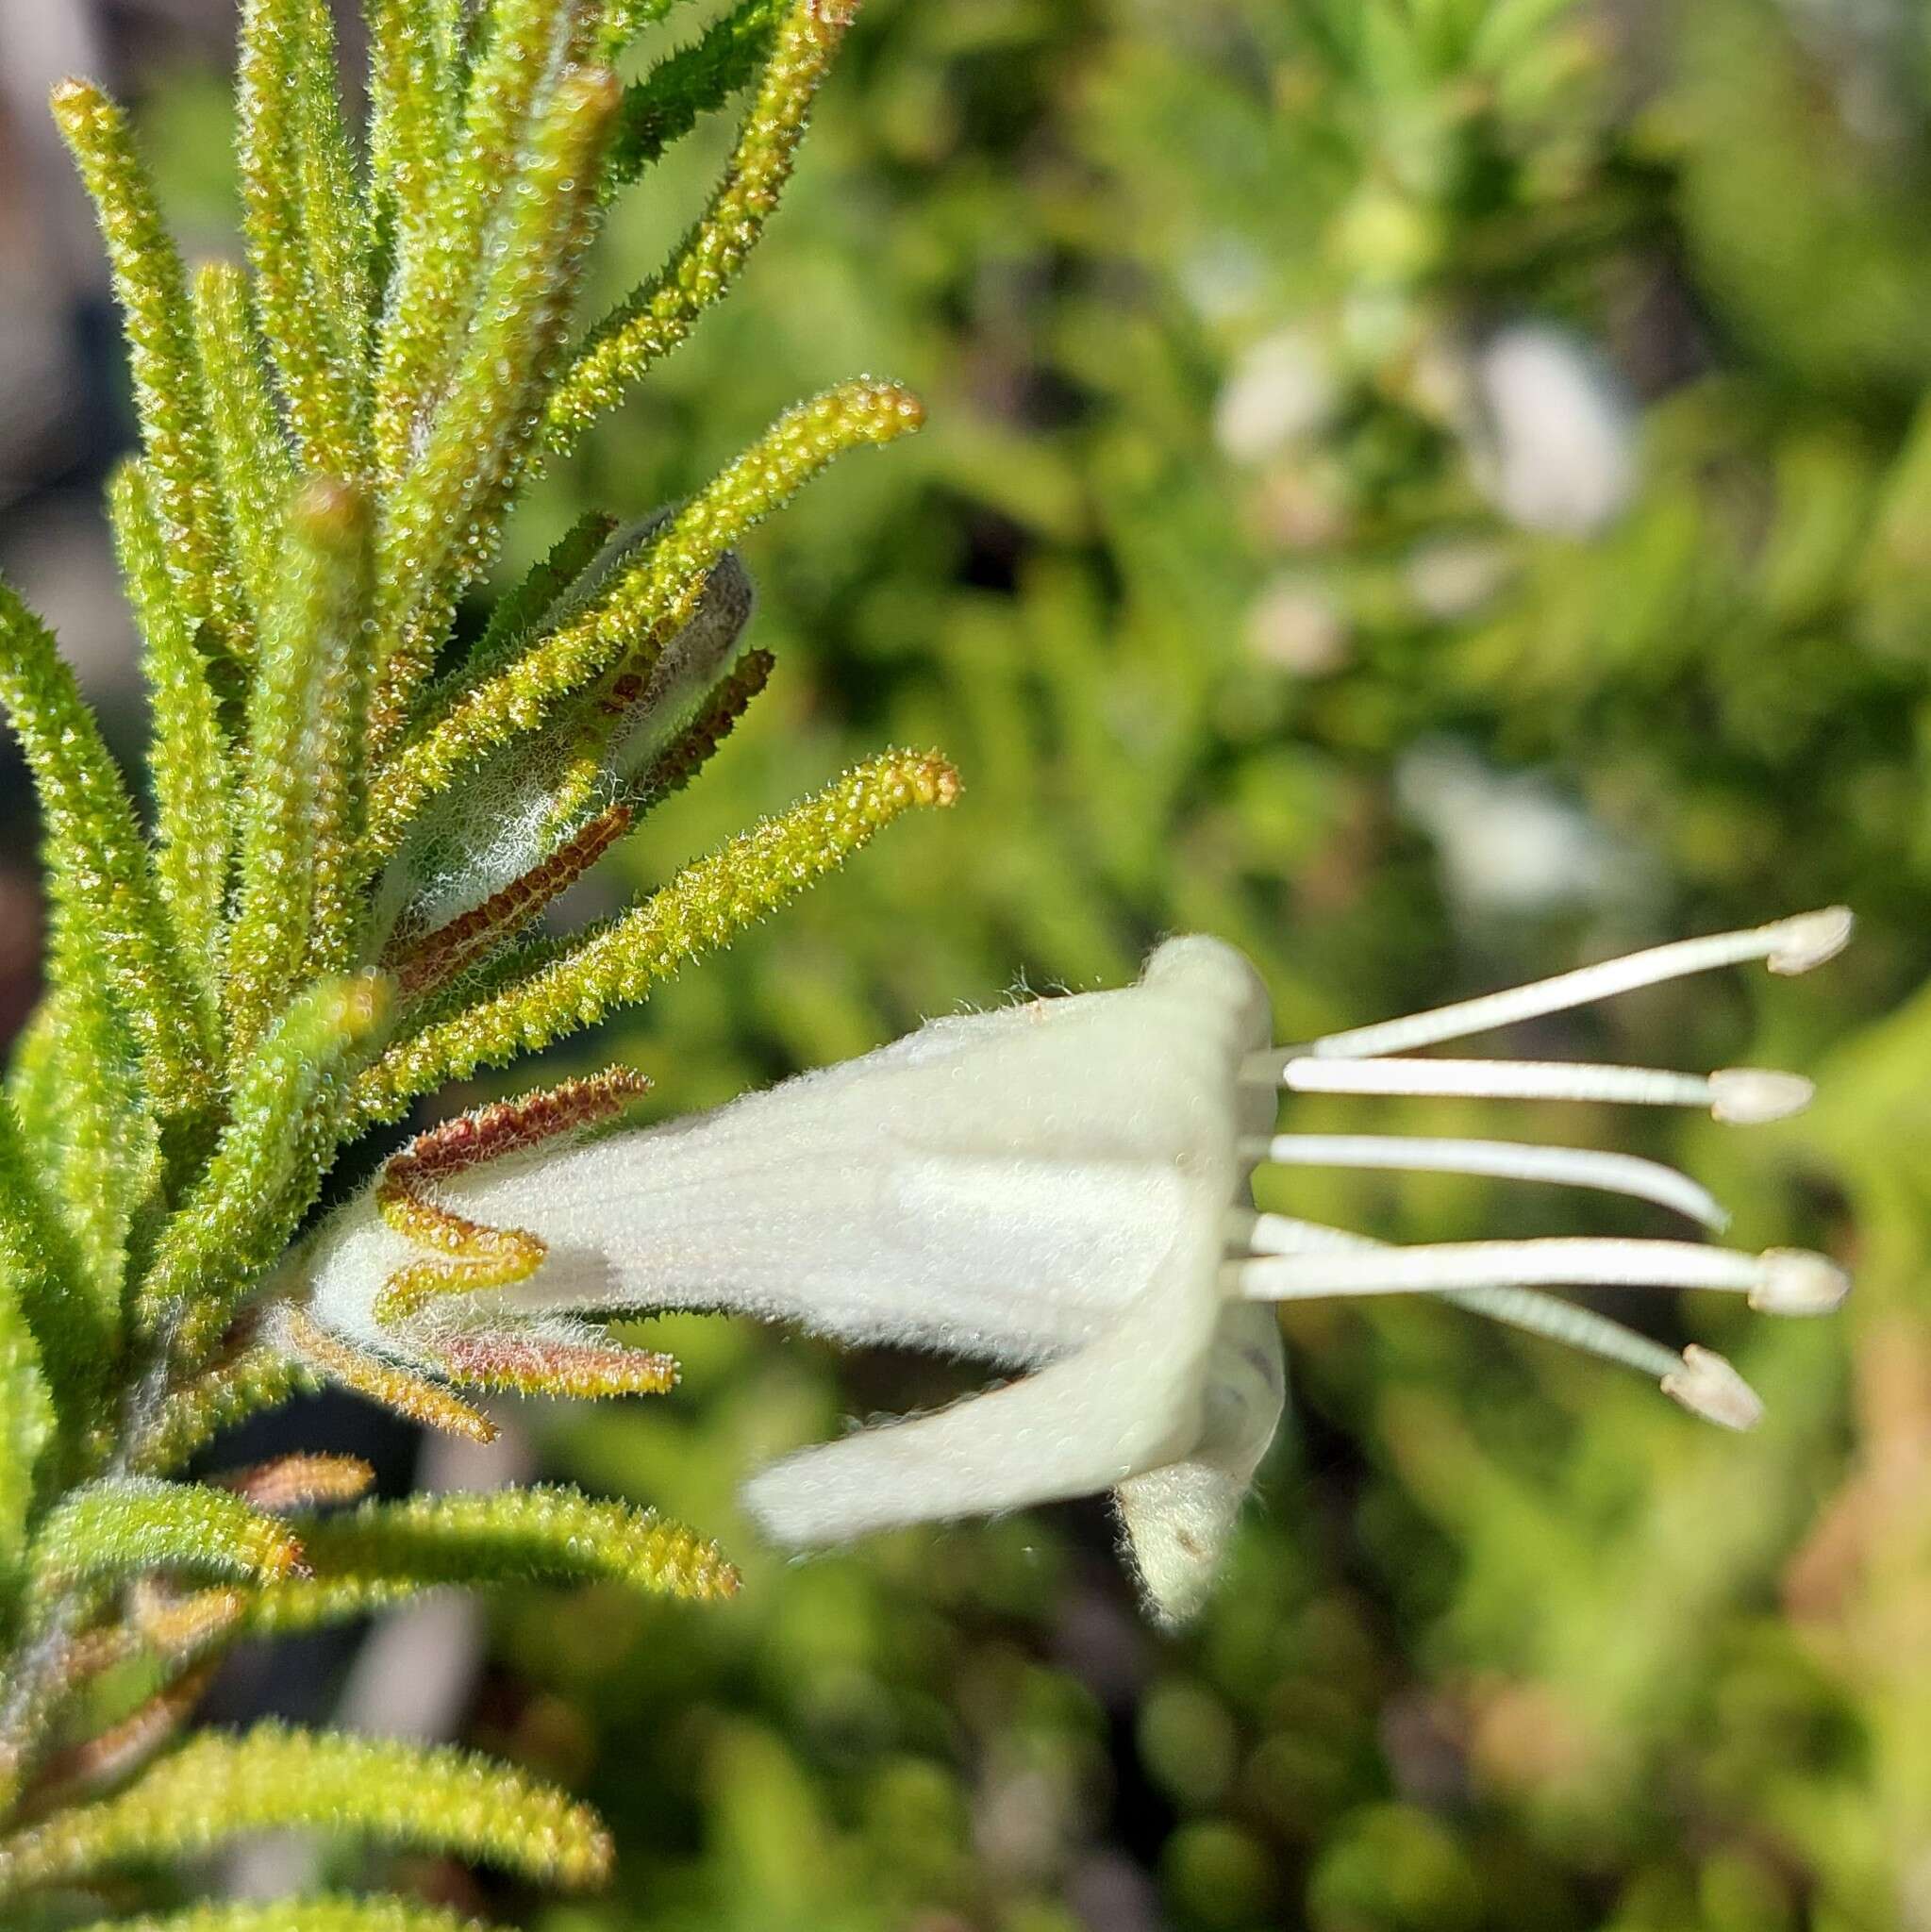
x: 1296, y: 625
x: 1279, y: 390
x: 1510, y: 843
x: 1552, y: 430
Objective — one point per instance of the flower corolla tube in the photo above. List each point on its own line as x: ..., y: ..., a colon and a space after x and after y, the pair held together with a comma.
x: 1061, y: 1188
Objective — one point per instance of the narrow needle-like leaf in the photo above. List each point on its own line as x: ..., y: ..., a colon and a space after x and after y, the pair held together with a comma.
x: 384, y: 1553
x: 168, y: 387
x: 296, y: 899
x: 573, y: 984
x: 662, y: 313
x: 444, y: 514
x: 29, y: 1277
x: 646, y: 603
x: 97, y: 858
x: 303, y: 1915
x: 664, y: 106
x: 127, y: 1525
x: 277, y: 75
x: 251, y: 448
x: 194, y: 823
x: 432, y: 293
x: 219, y: 1787
x: 289, y: 1098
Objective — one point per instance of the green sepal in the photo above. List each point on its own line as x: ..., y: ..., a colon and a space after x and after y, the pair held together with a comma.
x: 126, y: 1525
x: 384, y: 1553
x: 218, y: 1788
x: 665, y: 104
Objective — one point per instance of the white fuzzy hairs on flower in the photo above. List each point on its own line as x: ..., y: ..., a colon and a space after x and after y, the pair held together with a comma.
x: 1063, y: 1190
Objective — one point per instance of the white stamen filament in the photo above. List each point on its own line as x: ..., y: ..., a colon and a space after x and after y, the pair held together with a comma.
x: 1576, y: 1166
x: 1735, y: 1093
x: 1699, y: 1378
x: 1789, y: 945
x: 1780, y: 1281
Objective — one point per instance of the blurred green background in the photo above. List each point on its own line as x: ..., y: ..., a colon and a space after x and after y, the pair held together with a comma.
x: 1430, y: 492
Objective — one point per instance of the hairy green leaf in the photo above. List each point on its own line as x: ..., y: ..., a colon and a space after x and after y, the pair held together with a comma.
x: 664, y: 106
x: 123, y: 1525
x: 643, y: 606
x: 412, y: 107
x: 295, y: 903
x: 168, y: 388
x: 383, y: 1553
x: 289, y: 1098
x: 250, y: 451
x: 662, y: 312
x: 26, y: 1408
x: 563, y: 986
x: 432, y: 293
x: 218, y: 1788
x: 445, y: 511
x: 292, y: 222
x: 104, y: 1153
x: 520, y: 612
x: 97, y: 858
x: 303, y: 1915
x: 193, y: 809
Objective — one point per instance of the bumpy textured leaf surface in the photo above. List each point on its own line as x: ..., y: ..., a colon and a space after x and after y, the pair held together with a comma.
x: 127, y: 1525
x: 218, y: 1788
x: 385, y: 1552
x: 302, y: 1915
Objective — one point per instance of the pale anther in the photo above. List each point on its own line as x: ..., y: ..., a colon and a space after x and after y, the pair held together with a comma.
x: 1750, y: 1096
x: 1708, y: 1386
x: 1812, y: 937
x: 1797, y: 1282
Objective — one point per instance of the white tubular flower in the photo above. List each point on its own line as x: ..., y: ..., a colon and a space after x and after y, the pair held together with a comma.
x: 1062, y: 1189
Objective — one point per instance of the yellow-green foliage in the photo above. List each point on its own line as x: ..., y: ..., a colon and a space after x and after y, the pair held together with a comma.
x: 331, y: 441
x: 302, y: 1915
x: 218, y: 1788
